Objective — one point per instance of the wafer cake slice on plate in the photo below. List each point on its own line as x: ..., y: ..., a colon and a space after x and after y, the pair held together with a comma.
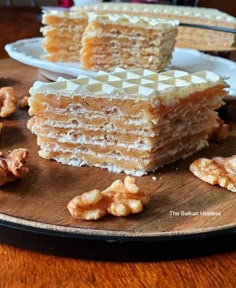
x: 103, y: 42
x: 127, y: 41
x: 186, y: 14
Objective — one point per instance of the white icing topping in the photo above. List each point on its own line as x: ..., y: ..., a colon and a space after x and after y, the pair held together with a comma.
x: 137, y: 84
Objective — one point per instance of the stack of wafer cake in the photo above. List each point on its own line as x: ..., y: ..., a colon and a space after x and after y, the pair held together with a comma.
x: 127, y: 41
x: 103, y: 42
x: 187, y: 14
x: 128, y: 120
x: 63, y: 33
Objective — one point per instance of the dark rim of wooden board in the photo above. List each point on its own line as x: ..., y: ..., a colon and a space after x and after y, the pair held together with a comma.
x: 96, y: 234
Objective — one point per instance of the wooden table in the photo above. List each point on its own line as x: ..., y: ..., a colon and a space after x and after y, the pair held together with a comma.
x: 18, y: 23
x: 203, y: 262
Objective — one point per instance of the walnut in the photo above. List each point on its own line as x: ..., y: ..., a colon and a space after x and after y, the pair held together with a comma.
x: 88, y: 206
x: 24, y: 102
x: 218, y: 170
x: 12, y: 165
x: 119, y: 199
x: 219, y: 133
x: 8, y: 101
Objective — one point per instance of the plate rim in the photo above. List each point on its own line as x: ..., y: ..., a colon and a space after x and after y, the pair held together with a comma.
x: 11, y: 49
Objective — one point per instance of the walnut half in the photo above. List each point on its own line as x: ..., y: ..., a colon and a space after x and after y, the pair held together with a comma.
x: 12, y: 165
x: 218, y: 170
x: 8, y: 102
x: 24, y: 102
x: 119, y: 199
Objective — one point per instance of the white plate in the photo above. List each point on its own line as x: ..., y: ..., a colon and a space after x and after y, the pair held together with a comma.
x: 29, y: 51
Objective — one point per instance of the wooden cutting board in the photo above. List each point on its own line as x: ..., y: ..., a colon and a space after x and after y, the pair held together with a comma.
x: 180, y: 203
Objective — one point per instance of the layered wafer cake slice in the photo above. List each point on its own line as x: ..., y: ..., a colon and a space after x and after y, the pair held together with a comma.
x: 128, y: 120
x: 63, y: 33
x: 127, y: 41
x: 186, y: 14
x: 103, y: 42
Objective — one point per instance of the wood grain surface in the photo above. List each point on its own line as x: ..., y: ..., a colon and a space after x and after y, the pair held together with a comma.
x: 26, y: 269
x: 180, y: 202
x: 18, y: 23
